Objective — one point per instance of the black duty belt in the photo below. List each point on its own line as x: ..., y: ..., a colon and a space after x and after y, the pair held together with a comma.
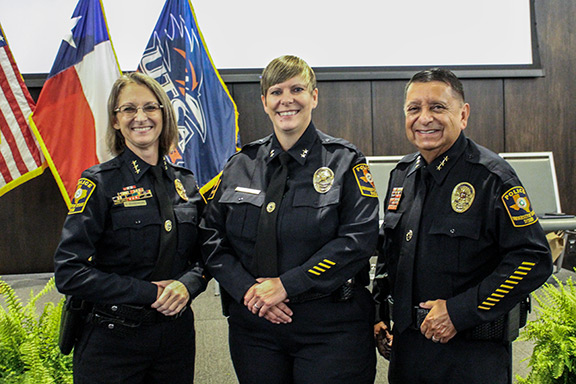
x: 129, y: 315
x: 504, y: 328
x: 344, y: 293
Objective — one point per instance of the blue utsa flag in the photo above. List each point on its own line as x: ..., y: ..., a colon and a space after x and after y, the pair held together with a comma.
x: 177, y: 57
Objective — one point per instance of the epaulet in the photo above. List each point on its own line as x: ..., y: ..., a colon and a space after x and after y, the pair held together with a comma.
x: 409, y: 158
x: 493, y: 162
x: 179, y: 167
x: 114, y: 163
x: 252, y: 147
x: 257, y: 143
x: 329, y: 140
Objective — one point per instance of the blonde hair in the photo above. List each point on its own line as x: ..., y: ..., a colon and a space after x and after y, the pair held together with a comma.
x: 284, y: 68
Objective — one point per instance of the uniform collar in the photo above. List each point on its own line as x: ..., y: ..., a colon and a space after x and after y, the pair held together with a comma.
x: 139, y: 167
x: 300, y: 150
x: 441, y: 166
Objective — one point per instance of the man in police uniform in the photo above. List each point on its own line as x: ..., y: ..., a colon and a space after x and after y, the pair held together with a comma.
x: 461, y: 247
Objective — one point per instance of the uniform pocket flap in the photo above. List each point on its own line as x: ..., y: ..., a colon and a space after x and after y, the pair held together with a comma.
x: 186, y: 214
x: 457, y: 227
x: 232, y: 196
x: 308, y: 198
x: 134, y: 218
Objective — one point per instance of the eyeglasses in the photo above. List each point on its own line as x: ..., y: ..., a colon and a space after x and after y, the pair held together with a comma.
x: 131, y: 111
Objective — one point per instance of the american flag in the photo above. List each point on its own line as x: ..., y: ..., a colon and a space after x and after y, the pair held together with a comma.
x: 20, y: 156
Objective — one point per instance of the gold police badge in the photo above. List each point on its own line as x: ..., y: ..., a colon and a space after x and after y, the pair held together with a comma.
x: 462, y: 197
x: 180, y: 189
x: 323, y: 179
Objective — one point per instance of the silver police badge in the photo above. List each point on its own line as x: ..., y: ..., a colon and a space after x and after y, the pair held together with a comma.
x: 462, y: 197
x: 323, y: 179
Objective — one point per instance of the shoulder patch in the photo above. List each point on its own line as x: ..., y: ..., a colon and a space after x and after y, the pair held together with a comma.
x: 519, y: 208
x: 365, y: 180
x: 214, y: 189
x: 84, y: 190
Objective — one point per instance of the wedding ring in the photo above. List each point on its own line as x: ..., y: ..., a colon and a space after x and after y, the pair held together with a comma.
x: 434, y: 339
x: 256, y: 306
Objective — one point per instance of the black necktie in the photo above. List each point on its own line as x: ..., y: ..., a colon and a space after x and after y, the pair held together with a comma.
x: 265, y: 250
x: 168, y: 235
x: 403, y: 290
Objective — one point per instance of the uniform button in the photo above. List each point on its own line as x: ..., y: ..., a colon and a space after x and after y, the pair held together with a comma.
x: 452, y: 231
x: 240, y: 198
x: 110, y: 326
x: 137, y: 222
x: 409, y: 235
x: 114, y: 308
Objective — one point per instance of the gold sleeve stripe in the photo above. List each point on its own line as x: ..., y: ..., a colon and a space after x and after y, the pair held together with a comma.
x: 492, y: 299
x: 528, y: 263
x: 322, y: 267
x: 503, y: 289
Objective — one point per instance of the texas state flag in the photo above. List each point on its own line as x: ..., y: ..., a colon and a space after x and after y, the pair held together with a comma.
x: 71, y: 115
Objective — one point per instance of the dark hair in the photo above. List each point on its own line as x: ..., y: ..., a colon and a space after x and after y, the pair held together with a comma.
x: 284, y: 68
x: 169, y: 136
x: 438, y: 74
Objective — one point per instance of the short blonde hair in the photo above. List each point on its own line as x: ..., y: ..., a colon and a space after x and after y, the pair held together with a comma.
x: 169, y: 136
x: 284, y: 68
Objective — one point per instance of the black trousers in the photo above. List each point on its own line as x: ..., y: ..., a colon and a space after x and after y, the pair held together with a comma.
x: 327, y: 342
x: 158, y: 353
x: 416, y: 359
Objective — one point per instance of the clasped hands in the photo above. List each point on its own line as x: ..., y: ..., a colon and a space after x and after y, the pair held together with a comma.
x: 267, y: 298
x: 171, y: 298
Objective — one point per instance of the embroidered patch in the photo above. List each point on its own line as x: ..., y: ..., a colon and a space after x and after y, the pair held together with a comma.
x: 214, y: 189
x: 519, y: 207
x: 365, y: 180
x: 83, y: 192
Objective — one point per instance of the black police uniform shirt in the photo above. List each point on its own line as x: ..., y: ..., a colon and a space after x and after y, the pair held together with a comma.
x: 479, y: 245
x: 324, y: 238
x: 110, y: 238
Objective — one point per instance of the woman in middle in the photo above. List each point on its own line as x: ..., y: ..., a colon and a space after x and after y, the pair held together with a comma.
x: 288, y: 235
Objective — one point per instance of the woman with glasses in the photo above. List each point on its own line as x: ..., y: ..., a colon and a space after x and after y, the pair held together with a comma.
x: 129, y: 255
